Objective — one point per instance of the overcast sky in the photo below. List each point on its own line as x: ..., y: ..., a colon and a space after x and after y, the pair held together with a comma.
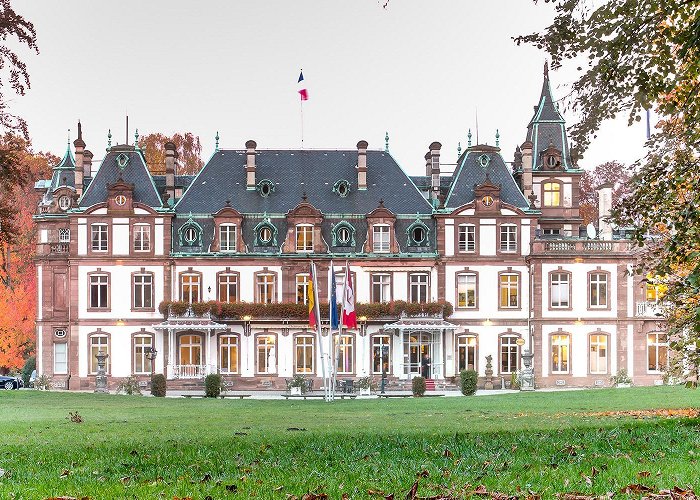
x: 419, y: 70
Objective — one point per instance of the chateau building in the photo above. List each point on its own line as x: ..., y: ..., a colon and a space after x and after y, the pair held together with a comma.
x: 469, y: 267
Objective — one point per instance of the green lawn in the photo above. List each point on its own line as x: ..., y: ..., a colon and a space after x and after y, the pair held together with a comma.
x: 143, y: 447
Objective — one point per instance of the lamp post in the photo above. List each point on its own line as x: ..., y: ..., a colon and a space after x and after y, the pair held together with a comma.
x: 385, y: 363
x: 151, y: 355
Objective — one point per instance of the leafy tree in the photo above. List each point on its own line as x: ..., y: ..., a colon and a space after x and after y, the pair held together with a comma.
x: 612, y: 172
x: 189, y: 151
x: 642, y: 54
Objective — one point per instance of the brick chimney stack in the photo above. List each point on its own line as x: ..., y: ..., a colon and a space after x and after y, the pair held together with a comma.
x: 435, y: 172
x: 250, y: 164
x: 87, y: 164
x: 362, y: 165
x: 79, y: 145
x: 170, y: 156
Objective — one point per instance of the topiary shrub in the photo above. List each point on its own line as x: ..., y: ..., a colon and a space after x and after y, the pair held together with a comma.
x: 29, y: 367
x: 468, y: 380
x: 212, y: 385
x: 158, y: 385
x: 418, y: 386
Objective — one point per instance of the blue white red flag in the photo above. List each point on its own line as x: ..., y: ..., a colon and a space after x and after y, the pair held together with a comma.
x: 303, y: 92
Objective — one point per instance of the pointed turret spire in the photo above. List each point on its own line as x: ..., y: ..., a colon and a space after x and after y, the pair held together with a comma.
x: 546, y: 69
x: 216, y: 138
x: 386, y: 142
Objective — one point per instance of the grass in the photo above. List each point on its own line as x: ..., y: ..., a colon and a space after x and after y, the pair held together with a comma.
x: 544, y: 442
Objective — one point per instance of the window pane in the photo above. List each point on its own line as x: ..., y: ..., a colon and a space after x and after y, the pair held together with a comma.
x: 60, y: 359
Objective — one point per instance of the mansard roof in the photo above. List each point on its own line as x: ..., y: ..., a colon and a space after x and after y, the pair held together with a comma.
x: 63, y: 173
x: 472, y: 172
x: 295, y: 172
x: 122, y: 163
x: 547, y: 126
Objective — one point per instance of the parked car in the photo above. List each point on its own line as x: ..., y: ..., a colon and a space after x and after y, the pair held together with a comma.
x: 9, y: 383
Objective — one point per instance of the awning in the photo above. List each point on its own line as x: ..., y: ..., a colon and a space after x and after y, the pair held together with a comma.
x: 421, y: 323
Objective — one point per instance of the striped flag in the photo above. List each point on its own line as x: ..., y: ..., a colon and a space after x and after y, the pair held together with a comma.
x: 303, y: 92
x: 333, y: 300
x: 310, y: 298
x: 349, y: 318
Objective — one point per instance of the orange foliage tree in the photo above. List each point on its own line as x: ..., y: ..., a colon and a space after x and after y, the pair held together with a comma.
x: 17, y: 272
x: 189, y: 151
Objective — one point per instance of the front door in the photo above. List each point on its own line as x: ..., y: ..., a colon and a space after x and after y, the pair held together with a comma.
x: 418, y: 354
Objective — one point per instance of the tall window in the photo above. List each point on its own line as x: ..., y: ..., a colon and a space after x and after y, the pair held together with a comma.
x: 60, y: 358
x: 228, y: 354
x: 190, y: 285
x: 466, y: 352
x: 381, y: 288
x: 509, y: 238
x: 598, y: 289
x: 142, y: 348
x: 304, y: 354
x: 228, y: 288
x: 418, y: 288
x: 657, y: 351
x: 302, y: 288
x: 98, y: 237
x: 380, y: 238
x: 191, y: 350
x: 466, y: 238
x: 266, y: 357
x: 466, y: 290
x: 305, y: 238
x: 508, y: 290
x: 227, y: 238
x: 551, y: 194
x: 559, y: 289
x: 99, y: 291
x: 142, y: 238
x: 64, y: 235
x: 509, y: 354
x: 380, y: 353
x: 345, y: 353
x: 560, y: 353
x: 599, y: 354
x: 265, y: 288
x: 143, y: 291
x: 98, y: 343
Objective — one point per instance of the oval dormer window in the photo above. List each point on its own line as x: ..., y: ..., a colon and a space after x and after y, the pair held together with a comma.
x: 418, y: 234
x: 190, y: 235
x: 341, y: 188
x: 265, y: 235
x: 552, y: 161
x: 64, y: 202
x: 343, y: 236
x: 265, y: 188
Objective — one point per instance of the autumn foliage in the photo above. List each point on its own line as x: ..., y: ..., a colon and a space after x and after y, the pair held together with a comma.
x: 189, y: 150
x: 17, y: 273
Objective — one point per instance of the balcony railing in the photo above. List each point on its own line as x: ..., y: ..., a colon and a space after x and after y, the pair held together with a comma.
x: 650, y: 309
x: 59, y: 247
x: 581, y: 246
x: 190, y: 371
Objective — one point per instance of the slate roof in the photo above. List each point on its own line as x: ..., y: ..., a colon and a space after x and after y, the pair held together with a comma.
x: 63, y: 173
x: 547, y: 126
x: 134, y: 172
x: 470, y: 173
x: 295, y: 172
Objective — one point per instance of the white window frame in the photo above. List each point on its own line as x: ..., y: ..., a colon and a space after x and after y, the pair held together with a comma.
x: 142, y: 237
x: 60, y: 358
x: 142, y: 346
x: 466, y: 238
x: 598, y: 281
x: 378, y: 342
x: 559, y: 290
x: 549, y: 195
x: 509, y: 238
x: 227, y: 237
x: 229, y: 344
x: 512, y: 283
x: 263, y: 346
x: 346, y: 354
x: 95, y: 347
x: 508, y: 347
x: 560, y: 345
x: 468, y: 344
x: 302, y: 344
x: 598, y: 343
x: 419, y: 287
x: 99, y: 281
x: 381, y: 288
x: 381, y: 238
x: 142, y: 288
x: 265, y: 284
x: 194, y: 282
x: 64, y: 235
x: 302, y: 288
x: 657, y: 342
x: 228, y: 282
x: 304, y: 238
x: 99, y: 237
x: 465, y: 283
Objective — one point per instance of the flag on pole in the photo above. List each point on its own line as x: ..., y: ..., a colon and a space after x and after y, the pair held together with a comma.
x: 303, y: 92
x: 310, y: 298
x: 333, y: 300
x: 349, y: 319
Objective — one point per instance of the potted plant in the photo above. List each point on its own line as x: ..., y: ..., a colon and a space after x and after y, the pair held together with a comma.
x: 621, y: 379
x: 366, y: 385
x: 298, y: 385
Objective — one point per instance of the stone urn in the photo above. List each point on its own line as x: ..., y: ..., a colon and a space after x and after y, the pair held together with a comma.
x: 101, y: 377
x: 527, y: 375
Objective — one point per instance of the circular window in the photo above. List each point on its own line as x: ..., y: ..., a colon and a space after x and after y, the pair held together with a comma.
x: 265, y: 188
x: 265, y: 234
x: 552, y: 161
x: 487, y: 200
x: 342, y: 190
x: 64, y: 203
x: 343, y: 236
x: 190, y: 235
x: 60, y: 334
x: 484, y: 160
x: 120, y: 200
x: 418, y: 234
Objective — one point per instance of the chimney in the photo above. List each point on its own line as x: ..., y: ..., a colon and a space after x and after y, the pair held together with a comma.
x: 87, y: 164
x: 604, y: 206
x: 250, y: 164
x: 362, y: 165
x: 428, y: 166
x: 170, y: 155
x: 435, y: 172
x: 79, y: 149
x: 526, y: 150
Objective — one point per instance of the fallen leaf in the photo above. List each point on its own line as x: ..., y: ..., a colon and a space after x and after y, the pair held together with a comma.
x: 207, y: 477
x: 124, y: 479
x: 643, y: 473
x: 447, y: 453
x: 65, y: 473
x: 376, y: 493
x: 423, y: 473
x: 635, y: 489
x: 412, y: 493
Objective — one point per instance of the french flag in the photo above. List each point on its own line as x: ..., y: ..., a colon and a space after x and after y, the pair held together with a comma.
x: 349, y: 318
x: 303, y: 93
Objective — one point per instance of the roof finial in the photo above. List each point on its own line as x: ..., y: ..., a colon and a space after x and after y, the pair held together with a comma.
x: 459, y: 150
x: 386, y: 142
x: 80, y: 130
x: 498, y: 136
x: 68, y: 141
x: 303, y: 197
x: 546, y: 69
x: 109, y: 138
x: 469, y: 138
x: 216, y: 148
x: 136, y: 138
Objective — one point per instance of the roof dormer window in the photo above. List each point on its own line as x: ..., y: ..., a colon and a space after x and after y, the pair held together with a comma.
x: 265, y: 188
x: 341, y: 188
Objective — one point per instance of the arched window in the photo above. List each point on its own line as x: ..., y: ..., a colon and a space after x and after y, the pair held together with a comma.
x: 303, y: 354
x: 228, y: 354
x: 510, y: 353
x: 561, y: 343
x: 598, y: 350
x: 466, y: 353
x: 346, y: 353
x: 143, y: 345
x: 98, y: 342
